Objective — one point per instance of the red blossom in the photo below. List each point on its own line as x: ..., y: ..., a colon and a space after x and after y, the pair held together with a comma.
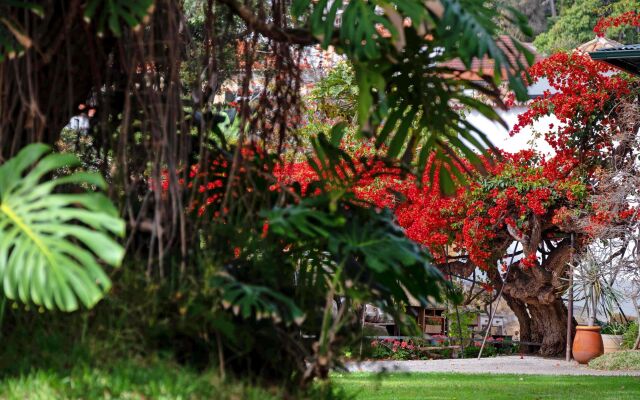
x: 631, y: 19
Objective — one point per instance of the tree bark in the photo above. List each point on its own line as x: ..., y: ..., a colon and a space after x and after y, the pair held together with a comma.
x: 551, y: 324
x: 634, y: 299
x: 520, y: 310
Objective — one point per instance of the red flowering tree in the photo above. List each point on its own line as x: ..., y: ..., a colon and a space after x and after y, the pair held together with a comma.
x: 524, y: 211
x: 628, y: 19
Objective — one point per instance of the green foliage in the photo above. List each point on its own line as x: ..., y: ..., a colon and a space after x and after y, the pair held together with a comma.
x: 630, y: 335
x: 592, y: 286
x: 573, y: 27
x: 467, y: 319
x: 403, y: 349
x: 270, y: 279
x: 130, y: 379
x: 113, y: 14
x: 51, y: 243
x: 614, y: 328
x: 336, y: 95
x: 259, y: 301
x: 450, y: 386
x: 13, y: 39
x: 385, y: 256
x: 575, y: 24
x: 302, y: 262
x: 473, y: 351
x: 404, y: 98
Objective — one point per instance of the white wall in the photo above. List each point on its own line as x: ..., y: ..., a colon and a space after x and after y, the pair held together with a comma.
x: 525, y: 139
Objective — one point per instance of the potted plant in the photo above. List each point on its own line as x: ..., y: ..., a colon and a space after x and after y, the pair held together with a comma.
x: 592, y: 287
x: 612, y: 336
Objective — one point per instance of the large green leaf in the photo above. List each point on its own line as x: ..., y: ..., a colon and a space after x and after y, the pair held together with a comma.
x: 259, y: 302
x: 52, y: 244
x: 378, y: 253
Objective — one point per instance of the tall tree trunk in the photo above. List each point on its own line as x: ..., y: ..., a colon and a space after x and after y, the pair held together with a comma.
x: 551, y: 326
x: 520, y: 310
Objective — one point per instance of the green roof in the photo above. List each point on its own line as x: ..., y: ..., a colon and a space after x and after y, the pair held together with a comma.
x: 624, y: 57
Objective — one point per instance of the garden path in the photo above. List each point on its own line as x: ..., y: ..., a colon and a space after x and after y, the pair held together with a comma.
x: 529, y: 365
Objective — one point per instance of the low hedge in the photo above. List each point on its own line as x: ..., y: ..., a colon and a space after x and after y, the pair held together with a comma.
x: 626, y: 360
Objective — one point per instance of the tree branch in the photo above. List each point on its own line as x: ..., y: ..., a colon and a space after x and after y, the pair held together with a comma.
x: 267, y: 29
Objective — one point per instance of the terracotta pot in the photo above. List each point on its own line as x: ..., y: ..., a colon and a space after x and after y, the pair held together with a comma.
x: 587, y: 344
x: 612, y: 343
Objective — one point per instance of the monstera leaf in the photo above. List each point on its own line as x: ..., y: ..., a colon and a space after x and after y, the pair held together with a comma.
x: 259, y: 302
x: 52, y: 243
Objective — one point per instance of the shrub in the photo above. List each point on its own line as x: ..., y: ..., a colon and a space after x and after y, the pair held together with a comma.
x: 630, y: 335
x: 628, y: 360
x: 395, y: 349
x: 467, y: 318
x: 473, y: 351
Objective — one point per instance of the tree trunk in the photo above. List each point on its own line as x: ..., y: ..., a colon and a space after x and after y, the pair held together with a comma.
x: 520, y: 310
x: 551, y: 326
x: 534, y: 294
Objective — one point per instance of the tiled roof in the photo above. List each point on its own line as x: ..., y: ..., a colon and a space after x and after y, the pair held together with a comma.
x: 599, y: 43
x: 486, y: 65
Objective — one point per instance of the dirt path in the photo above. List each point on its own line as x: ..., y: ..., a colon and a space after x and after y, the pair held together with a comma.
x: 529, y: 365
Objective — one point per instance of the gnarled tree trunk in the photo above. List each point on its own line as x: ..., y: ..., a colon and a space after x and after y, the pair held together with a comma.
x: 551, y: 326
x: 534, y: 294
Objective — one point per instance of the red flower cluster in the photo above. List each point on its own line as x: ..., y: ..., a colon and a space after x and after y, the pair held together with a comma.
x: 394, y: 344
x: 519, y: 186
x: 631, y: 19
x: 584, y: 91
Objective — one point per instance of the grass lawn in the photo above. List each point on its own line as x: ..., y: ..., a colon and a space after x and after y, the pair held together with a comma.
x: 130, y: 380
x: 397, y: 386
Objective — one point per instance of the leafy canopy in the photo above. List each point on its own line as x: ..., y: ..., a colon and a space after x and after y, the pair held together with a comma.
x: 406, y: 98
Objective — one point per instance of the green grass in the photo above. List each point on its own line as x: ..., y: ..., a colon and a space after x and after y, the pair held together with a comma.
x: 164, y: 380
x: 438, y: 386
x: 620, y: 360
x: 134, y: 379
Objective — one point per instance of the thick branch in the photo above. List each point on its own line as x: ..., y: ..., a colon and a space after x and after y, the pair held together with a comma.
x: 459, y: 268
x: 556, y: 263
x: 294, y: 36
